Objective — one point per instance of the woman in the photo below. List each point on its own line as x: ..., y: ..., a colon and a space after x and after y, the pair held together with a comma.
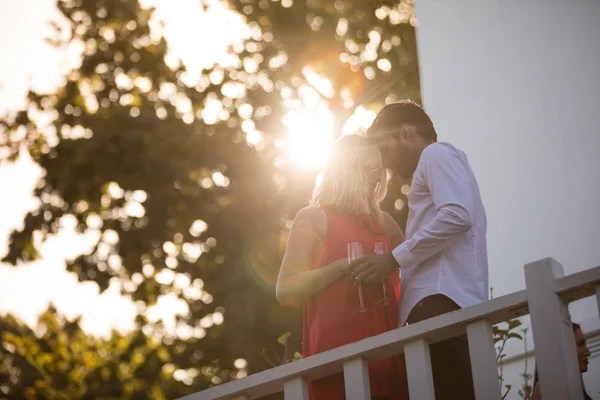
x: 582, y: 357
x: 344, y: 209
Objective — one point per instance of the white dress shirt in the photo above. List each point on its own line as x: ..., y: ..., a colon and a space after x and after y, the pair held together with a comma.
x: 445, y: 251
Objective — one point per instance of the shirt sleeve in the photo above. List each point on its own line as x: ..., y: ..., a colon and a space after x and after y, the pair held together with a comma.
x: 446, y: 175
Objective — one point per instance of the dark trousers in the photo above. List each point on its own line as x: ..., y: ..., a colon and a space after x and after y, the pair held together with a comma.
x: 450, y: 362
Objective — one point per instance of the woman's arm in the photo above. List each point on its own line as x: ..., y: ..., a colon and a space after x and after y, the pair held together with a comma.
x: 297, y: 281
x: 392, y: 231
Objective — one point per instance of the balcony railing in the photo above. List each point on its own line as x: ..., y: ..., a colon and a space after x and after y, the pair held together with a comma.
x: 546, y: 297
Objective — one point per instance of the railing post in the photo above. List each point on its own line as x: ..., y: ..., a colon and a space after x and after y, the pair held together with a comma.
x: 295, y: 389
x: 555, y: 353
x: 356, y: 379
x: 418, y: 370
x: 483, y: 360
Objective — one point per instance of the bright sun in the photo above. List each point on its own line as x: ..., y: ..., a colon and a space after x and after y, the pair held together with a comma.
x: 311, y: 132
x: 311, y: 128
x: 311, y: 135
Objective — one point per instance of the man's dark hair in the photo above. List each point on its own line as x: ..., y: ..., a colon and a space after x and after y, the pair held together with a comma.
x: 393, y: 116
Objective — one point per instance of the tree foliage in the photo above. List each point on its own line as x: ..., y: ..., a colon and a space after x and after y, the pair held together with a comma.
x: 166, y: 171
x: 58, y: 360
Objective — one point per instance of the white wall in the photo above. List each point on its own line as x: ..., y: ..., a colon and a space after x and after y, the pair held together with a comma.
x: 516, y: 84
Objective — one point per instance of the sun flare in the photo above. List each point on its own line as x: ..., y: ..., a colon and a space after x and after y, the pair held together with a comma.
x: 312, y: 127
x: 311, y: 135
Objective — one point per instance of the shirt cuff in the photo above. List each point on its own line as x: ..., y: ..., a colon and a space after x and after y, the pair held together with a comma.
x: 403, y: 256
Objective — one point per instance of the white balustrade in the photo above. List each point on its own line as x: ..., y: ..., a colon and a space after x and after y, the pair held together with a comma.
x: 546, y: 298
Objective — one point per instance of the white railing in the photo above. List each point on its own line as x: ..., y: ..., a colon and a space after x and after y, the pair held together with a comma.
x: 545, y: 299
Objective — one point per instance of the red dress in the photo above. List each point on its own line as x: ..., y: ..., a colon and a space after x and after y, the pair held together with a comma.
x: 329, y: 317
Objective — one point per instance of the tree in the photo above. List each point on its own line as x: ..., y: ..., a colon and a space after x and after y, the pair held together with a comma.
x: 185, y: 181
x: 58, y: 360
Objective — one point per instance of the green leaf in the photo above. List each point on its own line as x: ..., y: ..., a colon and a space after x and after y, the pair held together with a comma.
x: 515, y: 323
x: 283, y: 339
x: 514, y: 335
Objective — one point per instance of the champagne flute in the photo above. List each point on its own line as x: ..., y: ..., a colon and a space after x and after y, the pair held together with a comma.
x: 355, y: 251
x: 381, y: 248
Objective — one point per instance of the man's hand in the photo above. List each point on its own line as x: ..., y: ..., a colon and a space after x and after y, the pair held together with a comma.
x: 372, y: 268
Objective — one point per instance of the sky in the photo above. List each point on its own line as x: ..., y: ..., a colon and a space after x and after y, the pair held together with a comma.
x: 29, y: 62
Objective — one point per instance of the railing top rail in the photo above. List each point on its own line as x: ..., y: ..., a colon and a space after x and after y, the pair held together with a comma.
x: 578, y: 285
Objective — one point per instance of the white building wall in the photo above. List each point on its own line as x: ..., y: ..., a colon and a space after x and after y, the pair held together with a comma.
x: 516, y: 84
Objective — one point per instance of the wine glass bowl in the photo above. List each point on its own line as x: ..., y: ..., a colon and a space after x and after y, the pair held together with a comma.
x: 381, y: 248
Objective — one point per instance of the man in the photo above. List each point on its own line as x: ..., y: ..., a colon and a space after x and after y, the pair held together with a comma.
x: 443, y: 261
x: 583, y: 354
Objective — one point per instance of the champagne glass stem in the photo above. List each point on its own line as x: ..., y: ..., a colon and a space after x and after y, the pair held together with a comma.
x: 360, y: 297
x: 385, y: 296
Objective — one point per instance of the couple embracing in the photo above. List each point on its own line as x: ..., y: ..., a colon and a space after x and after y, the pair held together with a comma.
x: 439, y: 265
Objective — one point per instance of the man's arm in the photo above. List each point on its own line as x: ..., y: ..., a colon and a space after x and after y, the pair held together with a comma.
x: 449, y: 182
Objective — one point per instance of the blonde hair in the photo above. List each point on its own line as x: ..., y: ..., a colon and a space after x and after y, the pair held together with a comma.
x: 353, y: 179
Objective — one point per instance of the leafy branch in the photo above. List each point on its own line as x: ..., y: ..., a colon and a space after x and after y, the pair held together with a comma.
x: 503, y: 333
x: 283, y: 340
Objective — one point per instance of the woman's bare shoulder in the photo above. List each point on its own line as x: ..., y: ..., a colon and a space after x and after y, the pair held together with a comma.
x: 391, y: 228
x: 315, y: 217
x: 389, y: 223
